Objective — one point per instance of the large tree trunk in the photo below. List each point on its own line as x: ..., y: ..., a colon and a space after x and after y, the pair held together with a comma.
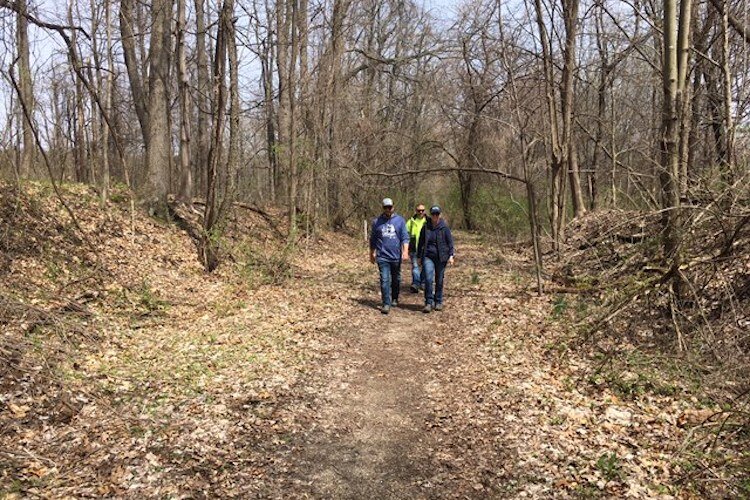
x: 185, y: 184
x: 159, y: 153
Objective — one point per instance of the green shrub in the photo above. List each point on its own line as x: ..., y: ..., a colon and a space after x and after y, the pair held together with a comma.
x: 609, y: 466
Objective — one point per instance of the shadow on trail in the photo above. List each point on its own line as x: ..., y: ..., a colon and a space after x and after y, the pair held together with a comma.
x: 372, y: 304
x: 375, y: 304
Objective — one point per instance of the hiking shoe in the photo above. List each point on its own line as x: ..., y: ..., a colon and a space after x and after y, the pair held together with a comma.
x: 438, y: 307
x: 394, y: 303
x: 427, y: 308
x: 385, y: 309
x: 414, y: 289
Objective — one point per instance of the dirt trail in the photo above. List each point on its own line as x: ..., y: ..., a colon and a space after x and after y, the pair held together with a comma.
x: 382, y: 424
x: 369, y: 440
x: 475, y: 401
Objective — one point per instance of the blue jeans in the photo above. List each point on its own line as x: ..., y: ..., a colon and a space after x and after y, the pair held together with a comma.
x: 434, y: 273
x: 416, y: 272
x: 390, y: 281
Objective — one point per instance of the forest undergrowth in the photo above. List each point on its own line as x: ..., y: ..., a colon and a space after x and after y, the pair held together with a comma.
x: 127, y: 371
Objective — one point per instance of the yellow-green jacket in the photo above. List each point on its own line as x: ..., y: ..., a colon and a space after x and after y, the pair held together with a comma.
x: 414, y: 227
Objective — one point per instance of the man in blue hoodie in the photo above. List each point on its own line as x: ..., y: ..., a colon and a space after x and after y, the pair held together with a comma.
x: 389, y: 244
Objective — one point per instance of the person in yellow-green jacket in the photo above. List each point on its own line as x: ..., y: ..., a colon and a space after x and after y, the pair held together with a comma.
x: 414, y: 227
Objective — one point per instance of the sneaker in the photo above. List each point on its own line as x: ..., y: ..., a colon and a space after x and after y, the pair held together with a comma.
x: 385, y: 309
x: 427, y: 308
x: 438, y: 307
x: 414, y: 289
x: 394, y: 303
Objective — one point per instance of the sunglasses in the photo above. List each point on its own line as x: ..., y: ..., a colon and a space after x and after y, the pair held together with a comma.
x: 388, y: 208
x: 421, y: 210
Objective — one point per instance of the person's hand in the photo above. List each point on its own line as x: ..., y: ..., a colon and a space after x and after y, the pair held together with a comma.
x: 372, y: 258
x: 404, y: 255
x: 450, y: 260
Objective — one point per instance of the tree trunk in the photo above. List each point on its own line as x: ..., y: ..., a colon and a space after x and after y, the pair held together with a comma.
x: 675, y: 60
x: 210, y: 256
x: 336, y: 214
x: 79, y: 145
x: 728, y: 146
x: 108, y: 83
x: 570, y: 14
x: 26, y: 93
x: 159, y: 152
x: 556, y: 162
x: 283, y: 21
x: 185, y: 185
x: 291, y: 94
x: 201, y: 99
x: 133, y: 65
x: 233, y: 156
x: 267, y: 61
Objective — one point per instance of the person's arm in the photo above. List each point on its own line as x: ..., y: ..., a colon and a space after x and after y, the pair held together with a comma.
x: 404, y: 243
x: 421, y: 242
x: 449, y: 240
x: 373, y: 251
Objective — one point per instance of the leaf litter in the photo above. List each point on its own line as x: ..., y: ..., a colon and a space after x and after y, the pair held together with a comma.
x: 174, y: 383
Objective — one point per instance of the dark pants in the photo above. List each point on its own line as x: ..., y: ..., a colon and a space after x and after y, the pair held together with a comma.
x: 416, y: 272
x: 390, y: 281
x: 434, y: 273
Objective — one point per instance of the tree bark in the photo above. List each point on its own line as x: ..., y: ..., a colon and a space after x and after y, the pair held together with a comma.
x: 675, y: 60
x: 133, y: 65
x: 201, y: 99
x: 557, y: 212
x: 185, y: 184
x: 570, y: 14
x: 26, y: 93
x: 159, y: 152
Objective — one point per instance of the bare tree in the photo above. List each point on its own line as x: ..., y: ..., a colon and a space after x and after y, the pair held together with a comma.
x: 26, y: 93
x: 134, y: 64
x: 201, y: 98
x: 675, y: 61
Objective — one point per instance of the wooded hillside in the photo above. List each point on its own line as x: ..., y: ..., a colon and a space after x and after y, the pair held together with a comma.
x: 208, y: 161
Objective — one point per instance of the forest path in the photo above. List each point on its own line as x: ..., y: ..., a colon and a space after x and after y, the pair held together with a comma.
x: 389, y: 416
x: 483, y: 399
x: 369, y: 439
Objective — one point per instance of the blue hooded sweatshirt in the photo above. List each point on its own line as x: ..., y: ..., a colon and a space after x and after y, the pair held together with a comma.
x: 387, y: 237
